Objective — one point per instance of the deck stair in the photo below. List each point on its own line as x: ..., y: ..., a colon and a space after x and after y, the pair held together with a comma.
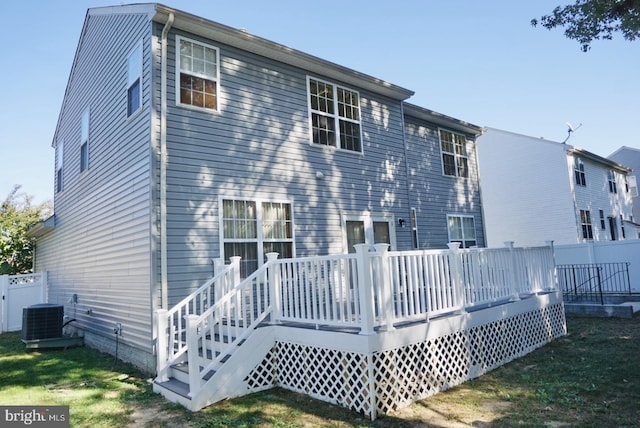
x: 216, y: 331
x: 233, y: 366
x: 368, y: 331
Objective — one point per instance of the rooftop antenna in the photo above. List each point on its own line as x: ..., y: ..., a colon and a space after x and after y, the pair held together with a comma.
x: 570, y: 131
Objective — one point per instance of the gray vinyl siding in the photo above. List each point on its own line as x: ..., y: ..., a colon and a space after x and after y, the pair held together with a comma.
x: 433, y: 194
x: 258, y: 146
x: 100, y: 246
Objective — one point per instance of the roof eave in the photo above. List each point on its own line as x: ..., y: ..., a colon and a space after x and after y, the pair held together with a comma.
x: 442, y: 119
x: 597, y: 158
x: 43, y: 227
x: 251, y: 43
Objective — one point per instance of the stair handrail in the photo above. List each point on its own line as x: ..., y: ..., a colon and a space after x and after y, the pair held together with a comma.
x: 231, y: 309
x: 172, y: 323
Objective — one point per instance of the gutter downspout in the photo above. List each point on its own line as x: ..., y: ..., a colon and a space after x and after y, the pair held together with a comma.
x: 407, y: 170
x: 163, y: 163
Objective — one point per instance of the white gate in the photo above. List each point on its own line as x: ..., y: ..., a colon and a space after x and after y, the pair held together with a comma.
x: 20, y: 291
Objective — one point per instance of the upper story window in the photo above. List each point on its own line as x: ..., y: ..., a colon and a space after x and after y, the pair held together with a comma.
x: 578, y: 168
x: 632, y: 185
x: 462, y: 229
x: 455, y: 160
x: 611, y: 177
x: 587, y: 228
x: 84, y: 141
x: 59, y: 157
x: 335, y: 116
x: 197, y: 74
x: 134, y: 80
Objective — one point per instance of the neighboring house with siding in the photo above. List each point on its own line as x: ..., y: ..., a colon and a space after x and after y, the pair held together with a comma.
x: 630, y: 156
x: 182, y: 141
x: 535, y: 190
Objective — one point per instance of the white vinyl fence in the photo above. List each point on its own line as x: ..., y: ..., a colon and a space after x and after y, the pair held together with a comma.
x: 18, y: 292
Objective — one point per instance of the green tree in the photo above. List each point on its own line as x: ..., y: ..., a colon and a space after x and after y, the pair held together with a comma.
x: 588, y: 20
x: 17, y: 216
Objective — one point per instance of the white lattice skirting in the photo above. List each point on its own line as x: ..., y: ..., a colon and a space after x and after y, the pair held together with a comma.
x: 383, y: 372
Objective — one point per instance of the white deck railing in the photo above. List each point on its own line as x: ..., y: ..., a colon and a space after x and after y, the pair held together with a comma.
x: 367, y: 291
x: 172, y: 324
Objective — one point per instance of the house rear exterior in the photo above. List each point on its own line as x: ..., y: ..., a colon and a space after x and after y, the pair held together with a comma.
x: 535, y: 190
x: 181, y: 142
x: 630, y: 156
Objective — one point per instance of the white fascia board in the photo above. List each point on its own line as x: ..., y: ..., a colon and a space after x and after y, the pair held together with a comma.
x: 441, y: 119
x: 257, y: 45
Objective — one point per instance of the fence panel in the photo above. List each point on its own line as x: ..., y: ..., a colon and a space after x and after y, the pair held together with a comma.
x: 18, y: 292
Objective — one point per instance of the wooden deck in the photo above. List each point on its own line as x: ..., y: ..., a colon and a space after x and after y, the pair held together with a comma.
x: 305, y: 325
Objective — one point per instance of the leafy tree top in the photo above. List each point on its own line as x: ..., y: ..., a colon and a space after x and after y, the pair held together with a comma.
x: 589, y: 20
x: 17, y: 216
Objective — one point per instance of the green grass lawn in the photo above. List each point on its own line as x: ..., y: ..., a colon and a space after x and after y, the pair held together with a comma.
x: 589, y: 378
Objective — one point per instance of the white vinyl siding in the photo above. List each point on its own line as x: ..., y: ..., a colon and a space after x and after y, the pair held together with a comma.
x: 100, y: 248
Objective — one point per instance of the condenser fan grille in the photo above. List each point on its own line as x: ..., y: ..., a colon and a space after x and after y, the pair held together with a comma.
x: 43, y: 321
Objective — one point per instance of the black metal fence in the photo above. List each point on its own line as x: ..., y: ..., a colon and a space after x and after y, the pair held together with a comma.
x: 592, y: 282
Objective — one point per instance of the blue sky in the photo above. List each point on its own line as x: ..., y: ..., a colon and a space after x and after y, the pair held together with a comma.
x: 478, y: 61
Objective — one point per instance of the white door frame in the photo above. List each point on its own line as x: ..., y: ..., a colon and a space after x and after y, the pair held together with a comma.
x: 368, y: 219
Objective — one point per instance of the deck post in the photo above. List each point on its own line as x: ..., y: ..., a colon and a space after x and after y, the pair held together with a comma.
x: 513, y: 266
x: 553, y: 274
x: 365, y: 289
x: 385, y: 286
x: 275, y: 298
x: 162, y: 344
x: 235, y: 280
x: 456, y: 274
x: 192, y: 352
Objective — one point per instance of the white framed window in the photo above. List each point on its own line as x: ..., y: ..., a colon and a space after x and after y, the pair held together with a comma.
x: 134, y: 80
x: 414, y: 228
x: 603, y: 224
x: 455, y: 159
x: 632, y: 185
x: 368, y: 228
x: 462, y: 229
x: 585, y: 222
x: 84, y: 141
x: 578, y: 170
x: 334, y: 115
x: 253, y: 228
x: 611, y: 178
x: 59, y: 165
x: 197, y: 74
